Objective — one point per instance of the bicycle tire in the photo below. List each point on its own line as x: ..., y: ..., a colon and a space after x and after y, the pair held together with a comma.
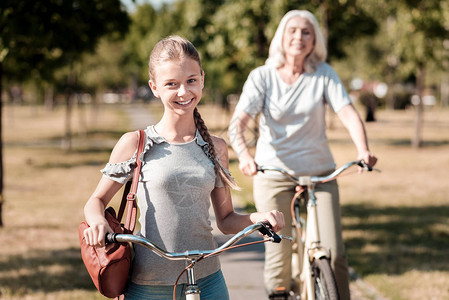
x: 324, y: 280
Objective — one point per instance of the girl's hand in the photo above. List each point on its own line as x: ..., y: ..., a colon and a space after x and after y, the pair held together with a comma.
x: 367, y: 158
x: 274, y: 217
x: 95, y: 234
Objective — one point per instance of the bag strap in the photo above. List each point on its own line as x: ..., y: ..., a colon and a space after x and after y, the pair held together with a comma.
x: 129, y: 193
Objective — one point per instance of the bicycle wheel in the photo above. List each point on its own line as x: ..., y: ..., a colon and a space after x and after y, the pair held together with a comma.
x: 324, y: 280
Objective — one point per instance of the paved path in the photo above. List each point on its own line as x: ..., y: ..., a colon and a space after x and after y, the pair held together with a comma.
x: 243, y: 267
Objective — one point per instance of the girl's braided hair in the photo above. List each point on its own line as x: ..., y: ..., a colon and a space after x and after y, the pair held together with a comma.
x: 176, y: 47
x: 211, y: 153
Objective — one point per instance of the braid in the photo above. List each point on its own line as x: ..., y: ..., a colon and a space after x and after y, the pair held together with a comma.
x: 211, y: 153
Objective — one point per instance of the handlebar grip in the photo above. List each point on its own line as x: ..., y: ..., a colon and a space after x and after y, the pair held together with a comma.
x: 266, y: 230
x: 110, y: 238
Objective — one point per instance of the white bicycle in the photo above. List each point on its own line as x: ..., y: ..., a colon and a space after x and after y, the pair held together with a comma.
x: 194, y: 256
x: 316, y: 279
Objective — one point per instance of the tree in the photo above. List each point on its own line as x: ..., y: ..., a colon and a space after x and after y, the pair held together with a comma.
x: 411, y: 46
x: 342, y: 22
x: 233, y: 36
x: 147, y: 28
x: 420, y: 31
x: 411, y: 40
x: 240, y: 33
x: 39, y: 36
x: 237, y: 42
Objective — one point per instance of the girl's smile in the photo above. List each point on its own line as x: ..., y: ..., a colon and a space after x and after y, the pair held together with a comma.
x: 185, y: 102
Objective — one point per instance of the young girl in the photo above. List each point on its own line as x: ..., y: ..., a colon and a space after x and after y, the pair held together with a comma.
x: 183, y: 166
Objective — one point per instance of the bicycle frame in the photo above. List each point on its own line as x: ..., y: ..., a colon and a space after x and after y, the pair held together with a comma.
x: 194, y: 256
x: 312, y: 245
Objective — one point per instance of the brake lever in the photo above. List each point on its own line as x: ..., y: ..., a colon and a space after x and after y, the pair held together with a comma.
x: 364, y: 165
x: 259, y: 169
x: 266, y: 230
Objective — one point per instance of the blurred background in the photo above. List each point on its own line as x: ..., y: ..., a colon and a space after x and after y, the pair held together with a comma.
x: 73, y: 77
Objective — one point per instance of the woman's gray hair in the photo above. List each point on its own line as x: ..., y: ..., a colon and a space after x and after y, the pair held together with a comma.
x: 318, y: 55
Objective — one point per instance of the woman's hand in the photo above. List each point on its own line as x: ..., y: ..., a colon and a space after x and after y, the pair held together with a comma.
x: 274, y: 217
x: 95, y: 234
x: 247, y: 165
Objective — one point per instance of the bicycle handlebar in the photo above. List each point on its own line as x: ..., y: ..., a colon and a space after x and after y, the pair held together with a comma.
x: 264, y: 228
x: 307, y: 180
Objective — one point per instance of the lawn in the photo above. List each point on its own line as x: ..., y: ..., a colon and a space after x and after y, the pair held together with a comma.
x: 395, y: 222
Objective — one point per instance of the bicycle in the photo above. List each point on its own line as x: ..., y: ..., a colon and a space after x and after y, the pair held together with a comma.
x: 317, y: 279
x: 192, y: 257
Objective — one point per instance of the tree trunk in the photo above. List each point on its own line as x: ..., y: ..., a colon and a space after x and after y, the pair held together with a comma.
x: 67, y: 139
x: 419, y: 119
x: 49, y: 98
x: 445, y: 80
x: 445, y: 89
x: 81, y: 107
x: 1, y: 146
x: 324, y: 22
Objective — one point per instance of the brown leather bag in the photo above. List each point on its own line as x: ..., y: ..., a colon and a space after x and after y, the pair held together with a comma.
x: 109, y: 269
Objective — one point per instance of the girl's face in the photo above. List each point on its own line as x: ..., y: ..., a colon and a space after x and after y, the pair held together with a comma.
x: 179, y: 84
x: 299, y: 37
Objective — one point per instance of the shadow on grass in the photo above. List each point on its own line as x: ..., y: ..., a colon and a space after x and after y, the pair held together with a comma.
x: 393, y: 240
x: 55, y: 141
x: 69, y: 165
x: 395, y: 142
x: 94, y: 150
x: 44, y: 271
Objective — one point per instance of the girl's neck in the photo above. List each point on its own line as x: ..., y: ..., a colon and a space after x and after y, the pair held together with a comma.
x: 180, y: 130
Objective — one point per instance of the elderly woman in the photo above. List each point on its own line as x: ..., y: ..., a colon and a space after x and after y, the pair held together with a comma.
x: 290, y: 93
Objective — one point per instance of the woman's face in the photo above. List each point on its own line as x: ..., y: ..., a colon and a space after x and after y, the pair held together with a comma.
x: 179, y: 84
x: 299, y: 37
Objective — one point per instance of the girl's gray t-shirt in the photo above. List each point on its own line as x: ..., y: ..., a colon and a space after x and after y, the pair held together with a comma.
x: 174, y: 200
x: 292, y: 123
